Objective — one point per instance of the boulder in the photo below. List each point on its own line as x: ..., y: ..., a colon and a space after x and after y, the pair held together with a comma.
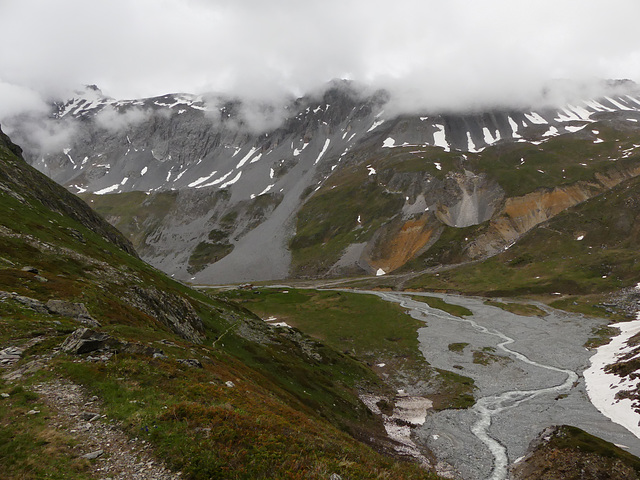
x: 32, y: 303
x: 74, y: 310
x: 93, y: 455
x: 85, y: 340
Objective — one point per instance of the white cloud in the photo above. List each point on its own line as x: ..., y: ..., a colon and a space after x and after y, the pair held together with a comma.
x: 114, y: 120
x: 445, y: 53
x: 16, y: 99
x: 42, y: 135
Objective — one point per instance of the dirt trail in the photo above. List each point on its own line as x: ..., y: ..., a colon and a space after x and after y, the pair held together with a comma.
x: 113, y: 455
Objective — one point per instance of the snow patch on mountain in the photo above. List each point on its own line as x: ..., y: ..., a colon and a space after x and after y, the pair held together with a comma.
x: 324, y: 149
x: 602, y: 387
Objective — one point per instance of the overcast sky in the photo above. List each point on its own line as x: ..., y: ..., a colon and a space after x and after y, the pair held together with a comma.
x: 434, y: 54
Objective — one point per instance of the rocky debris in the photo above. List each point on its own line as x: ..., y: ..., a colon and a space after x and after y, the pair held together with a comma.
x: 103, y: 356
x: 625, y: 301
x: 308, y: 346
x: 27, y: 368
x: 8, y: 262
x: 168, y: 343
x: 29, y: 302
x: 76, y: 234
x: 89, y: 416
x: 10, y: 355
x: 112, y: 453
x: 190, y: 362
x: 408, y: 412
x: 171, y: 310
x: 139, y: 349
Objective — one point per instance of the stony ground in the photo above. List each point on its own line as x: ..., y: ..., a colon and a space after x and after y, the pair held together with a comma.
x: 112, y: 454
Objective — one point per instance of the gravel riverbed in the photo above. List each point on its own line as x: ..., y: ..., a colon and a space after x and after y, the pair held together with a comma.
x: 536, y: 379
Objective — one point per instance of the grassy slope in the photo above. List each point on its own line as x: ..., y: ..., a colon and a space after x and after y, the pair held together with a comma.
x: 328, y: 222
x: 286, y: 417
x: 561, y: 160
x: 571, y: 453
x: 136, y: 214
x: 367, y: 327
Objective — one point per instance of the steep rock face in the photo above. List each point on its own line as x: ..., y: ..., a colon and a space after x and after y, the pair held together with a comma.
x: 169, y: 309
x: 473, y: 200
x: 230, y: 184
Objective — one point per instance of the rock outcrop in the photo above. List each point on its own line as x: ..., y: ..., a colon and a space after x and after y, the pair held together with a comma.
x: 170, y: 310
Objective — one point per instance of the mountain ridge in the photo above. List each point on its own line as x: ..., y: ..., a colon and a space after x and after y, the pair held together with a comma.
x: 239, y: 191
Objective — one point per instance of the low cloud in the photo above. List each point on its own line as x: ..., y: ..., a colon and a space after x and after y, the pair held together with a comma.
x: 260, y: 117
x: 431, y: 55
x: 17, y: 99
x: 114, y: 120
x: 41, y: 135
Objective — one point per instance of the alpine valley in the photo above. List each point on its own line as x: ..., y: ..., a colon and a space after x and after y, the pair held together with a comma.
x: 423, y: 295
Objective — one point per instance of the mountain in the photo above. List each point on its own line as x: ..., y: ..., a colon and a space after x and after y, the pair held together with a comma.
x: 212, y: 189
x: 108, y: 367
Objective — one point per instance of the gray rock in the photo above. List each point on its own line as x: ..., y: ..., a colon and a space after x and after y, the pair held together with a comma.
x: 32, y: 303
x: 10, y: 355
x: 30, y: 269
x: 138, y: 349
x: 74, y: 310
x: 171, y: 310
x: 89, y: 416
x: 191, y: 362
x: 9, y: 262
x: 93, y: 455
x: 85, y: 340
x: 76, y: 234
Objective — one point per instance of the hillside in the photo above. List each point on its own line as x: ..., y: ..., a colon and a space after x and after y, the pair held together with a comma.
x: 111, y: 368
